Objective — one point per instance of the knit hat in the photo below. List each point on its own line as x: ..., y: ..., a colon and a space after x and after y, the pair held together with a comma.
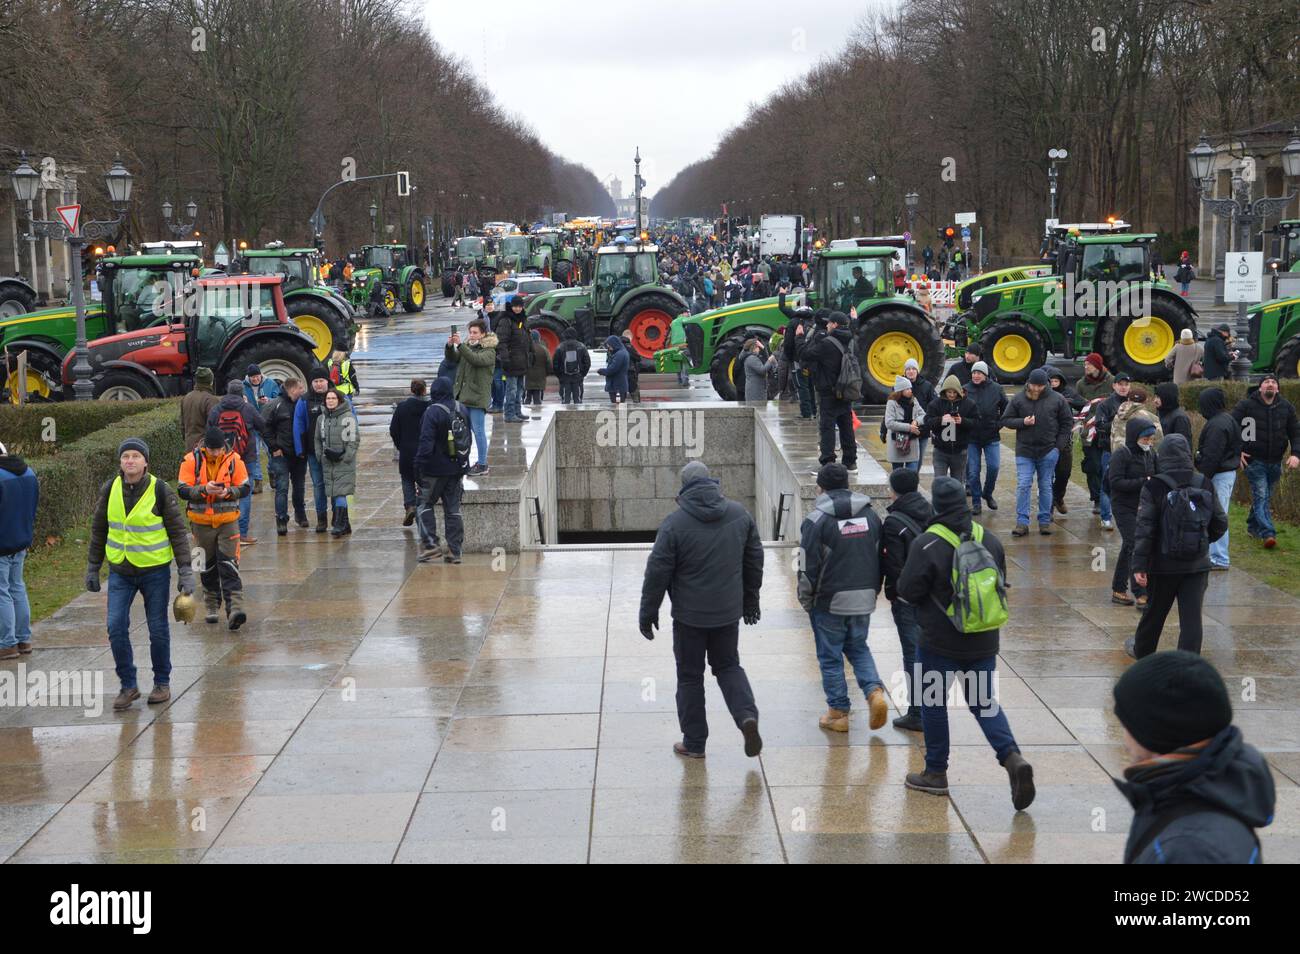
x: 947, y: 494
x: 902, y: 384
x: 838, y: 317
x: 981, y: 367
x: 318, y: 374
x: 135, y: 444
x: 203, y: 377
x: 1270, y: 376
x: 903, y: 481
x: 1186, y: 335
x: 833, y: 476
x: 1172, y: 699
x: 1096, y: 361
x: 693, y: 471
x: 909, y: 364
x: 1224, y: 328
x: 252, y: 370
x: 235, y: 386
x: 1039, y: 376
x: 975, y: 349
x: 214, y: 438
x: 950, y: 383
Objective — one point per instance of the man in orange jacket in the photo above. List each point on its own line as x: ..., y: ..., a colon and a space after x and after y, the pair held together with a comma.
x: 213, y: 478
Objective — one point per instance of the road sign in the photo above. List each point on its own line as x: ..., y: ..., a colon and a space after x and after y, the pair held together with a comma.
x: 318, y: 222
x: 70, y: 214
x: 965, y: 232
x: 221, y: 255
x: 1243, y: 276
x: 965, y: 218
x: 907, y: 236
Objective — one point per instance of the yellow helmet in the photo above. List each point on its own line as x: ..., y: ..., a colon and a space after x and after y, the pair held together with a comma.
x: 183, y: 608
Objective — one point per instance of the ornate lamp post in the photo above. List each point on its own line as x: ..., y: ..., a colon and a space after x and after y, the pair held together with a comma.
x: 911, y: 200
x: 180, y: 229
x: 118, y: 182
x: 374, y: 234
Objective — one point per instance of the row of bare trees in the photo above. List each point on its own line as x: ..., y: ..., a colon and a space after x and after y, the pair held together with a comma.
x: 960, y: 100
x: 254, y: 107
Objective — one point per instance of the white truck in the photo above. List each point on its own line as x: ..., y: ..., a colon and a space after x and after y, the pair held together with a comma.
x: 781, y: 235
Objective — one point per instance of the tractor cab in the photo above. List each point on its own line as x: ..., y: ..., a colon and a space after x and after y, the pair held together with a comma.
x: 619, y: 269
x: 299, y: 266
x: 227, y: 306
x: 850, y: 275
x: 1106, y: 258
x: 470, y: 248
x: 389, y: 259
x: 515, y: 252
x: 140, y: 291
x: 1288, y: 252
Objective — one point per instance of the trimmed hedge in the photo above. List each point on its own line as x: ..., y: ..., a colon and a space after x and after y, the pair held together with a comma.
x: 23, y: 430
x: 1286, y: 498
x: 70, y: 479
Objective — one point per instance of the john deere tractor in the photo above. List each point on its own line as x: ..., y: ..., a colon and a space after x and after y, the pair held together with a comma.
x: 391, y: 269
x: 889, y: 329
x: 523, y: 253
x: 16, y: 297
x: 625, y: 295
x: 133, y: 291
x: 324, y: 314
x: 1100, y: 297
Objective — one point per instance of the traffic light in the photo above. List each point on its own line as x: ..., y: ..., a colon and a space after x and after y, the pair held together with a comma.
x: 948, y: 233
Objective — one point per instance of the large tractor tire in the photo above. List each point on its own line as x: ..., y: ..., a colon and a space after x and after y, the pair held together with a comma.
x: 43, y: 375
x: 1286, y: 360
x: 321, y: 322
x: 277, y: 359
x: 1012, y: 349
x: 122, y: 385
x: 413, y: 295
x: 550, y: 330
x: 1139, y: 345
x: 725, y: 372
x: 886, y: 339
x: 15, y: 299
x: 448, y: 287
x: 562, y: 273
x: 648, y: 318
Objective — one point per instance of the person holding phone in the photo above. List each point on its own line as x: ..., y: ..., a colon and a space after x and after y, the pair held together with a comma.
x: 213, y: 479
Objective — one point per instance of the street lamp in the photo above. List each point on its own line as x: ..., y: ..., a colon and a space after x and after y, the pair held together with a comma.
x: 374, y: 234
x: 911, y: 200
x: 1200, y: 160
x: 118, y: 182
x: 179, y: 229
x: 1291, y: 155
x: 1054, y: 156
x: 839, y: 208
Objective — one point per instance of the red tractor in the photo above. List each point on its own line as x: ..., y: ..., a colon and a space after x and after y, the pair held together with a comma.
x: 223, y: 323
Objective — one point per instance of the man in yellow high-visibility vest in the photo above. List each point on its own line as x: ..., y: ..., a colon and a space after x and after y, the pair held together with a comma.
x: 138, y: 527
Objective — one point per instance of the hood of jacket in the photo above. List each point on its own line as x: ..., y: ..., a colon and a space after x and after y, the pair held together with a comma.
x: 440, y: 390
x: 1211, y: 401
x: 842, y: 503
x: 915, y: 505
x: 489, y: 340
x: 702, y: 498
x: 569, y: 333
x: 1168, y: 394
x: 341, y: 409
x: 232, y: 402
x: 13, y: 464
x: 956, y: 518
x: 1133, y: 430
x: 1173, y: 457
x: 1227, y: 773
x: 613, y: 343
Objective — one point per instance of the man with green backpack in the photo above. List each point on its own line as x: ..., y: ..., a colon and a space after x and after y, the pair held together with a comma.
x: 955, y: 576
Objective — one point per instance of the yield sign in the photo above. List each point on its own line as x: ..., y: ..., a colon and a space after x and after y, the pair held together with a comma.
x: 70, y: 214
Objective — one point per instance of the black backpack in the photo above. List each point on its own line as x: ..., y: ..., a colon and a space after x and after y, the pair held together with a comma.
x: 572, y: 363
x: 459, y: 437
x: 1185, y: 523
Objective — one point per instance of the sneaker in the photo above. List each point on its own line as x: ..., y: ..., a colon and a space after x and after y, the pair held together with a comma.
x: 1096, y: 507
x: 1021, y: 774
x: 1121, y: 599
x: 1021, y: 530
x: 1220, y: 566
x: 430, y: 553
x: 1130, y: 646
x: 1140, y: 602
x: 686, y: 753
x: 479, y: 470
x: 160, y: 694
x: 409, y: 518
x: 879, y: 708
x: 237, y: 619
x: 835, y: 720
x: 451, y: 558
x: 125, y: 698
x: 1108, y: 524
x: 1270, y: 543
x: 247, y: 541
x: 932, y: 783
x: 911, y: 722
x: 991, y: 503
x: 976, y: 509
x: 1045, y: 529
x: 753, y: 742
x: 494, y: 410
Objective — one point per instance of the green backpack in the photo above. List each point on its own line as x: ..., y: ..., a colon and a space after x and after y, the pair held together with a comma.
x: 979, y: 594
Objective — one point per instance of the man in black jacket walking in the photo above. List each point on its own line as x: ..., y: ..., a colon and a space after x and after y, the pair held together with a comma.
x: 404, y: 429
x: 1173, y: 419
x: 945, y: 654
x: 441, y: 475
x: 1172, y: 576
x: 825, y: 356
x: 838, y: 581
x: 1218, y: 455
x: 1270, y: 436
x: 709, y: 558
x: 288, y: 468
x: 1218, y: 359
x: 1130, y: 467
x: 1044, y: 426
x: 985, y: 444
x: 905, y: 520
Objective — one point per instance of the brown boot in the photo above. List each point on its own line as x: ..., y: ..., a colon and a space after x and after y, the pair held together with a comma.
x: 125, y: 698
x: 835, y: 720
x: 159, y: 694
x: 25, y: 649
x: 879, y: 707
x: 9, y: 652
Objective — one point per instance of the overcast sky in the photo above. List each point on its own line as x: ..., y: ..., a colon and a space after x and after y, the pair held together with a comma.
x: 597, y: 79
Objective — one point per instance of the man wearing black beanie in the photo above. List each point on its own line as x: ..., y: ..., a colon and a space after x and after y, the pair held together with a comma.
x: 905, y: 520
x: 1197, y: 789
x: 946, y: 654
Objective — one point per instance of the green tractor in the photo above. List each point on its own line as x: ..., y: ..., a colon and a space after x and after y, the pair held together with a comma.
x: 130, y: 285
x: 391, y: 269
x: 523, y: 253
x: 563, y: 264
x: 625, y: 295
x: 17, y: 297
x: 1275, y: 336
x: 320, y: 311
x: 890, y: 328
x: 476, y: 253
x: 1100, y: 297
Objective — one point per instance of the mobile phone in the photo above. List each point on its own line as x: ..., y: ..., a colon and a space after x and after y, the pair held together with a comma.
x: 454, y: 330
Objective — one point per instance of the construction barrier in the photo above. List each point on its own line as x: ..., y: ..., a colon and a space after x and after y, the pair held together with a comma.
x: 941, y: 293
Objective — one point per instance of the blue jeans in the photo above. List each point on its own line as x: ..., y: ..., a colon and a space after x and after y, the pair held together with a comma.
x: 1103, y: 501
x: 939, y: 672
x: 317, y: 482
x: 478, y: 425
x: 155, y: 588
x: 1026, y: 470
x: 1223, y: 484
x: 1263, y: 478
x: 258, y: 446
x: 909, y: 634
x: 498, y: 388
x: 992, y: 454
x: 15, y: 611
x: 245, y: 511
x: 514, y: 395
x: 839, y: 637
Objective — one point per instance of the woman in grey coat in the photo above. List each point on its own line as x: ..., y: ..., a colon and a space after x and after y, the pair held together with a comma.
x: 903, y: 417
x: 755, y: 368
x: 337, y: 439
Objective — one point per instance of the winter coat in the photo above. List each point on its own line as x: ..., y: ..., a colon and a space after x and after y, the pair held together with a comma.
x: 305, y: 414
x: 964, y: 408
x: 824, y: 358
x: 791, y: 342
x: 1092, y: 388
x: 923, y: 390
x: 570, y: 341
x: 1219, y: 449
x: 708, y: 558
x: 1127, y: 411
x: 961, y: 371
x: 1174, y: 459
x: 755, y: 377
x: 1217, y: 359
x: 899, y: 416
x: 20, y: 492
x: 840, y: 540
x: 615, y: 369
x: 926, y: 583
x: 515, y: 344
x: 476, y: 366
x: 337, y: 430
x: 539, y: 370
x: 1053, y: 426
x: 279, y: 425
x: 1104, y: 416
x: 1181, y: 359
x: 404, y: 429
x: 1072, y: 397
x: 166, y: 505
x: 898, y: 536
x: 269, y: 389
x: 990, y: 404
x: 1173, y: 419
x: 1276, y: 427
x: 1232, y: 786
x: 1130, y: 466
x: 431, y: 457
x: 253, y: 422
x: 633, y: 369
x: 195, y: 408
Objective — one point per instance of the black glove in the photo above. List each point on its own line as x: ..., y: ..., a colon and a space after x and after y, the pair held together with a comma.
x: 751, y: 613
x: 92, y: 579
x: 334, y: 455
x: 648, y: 626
